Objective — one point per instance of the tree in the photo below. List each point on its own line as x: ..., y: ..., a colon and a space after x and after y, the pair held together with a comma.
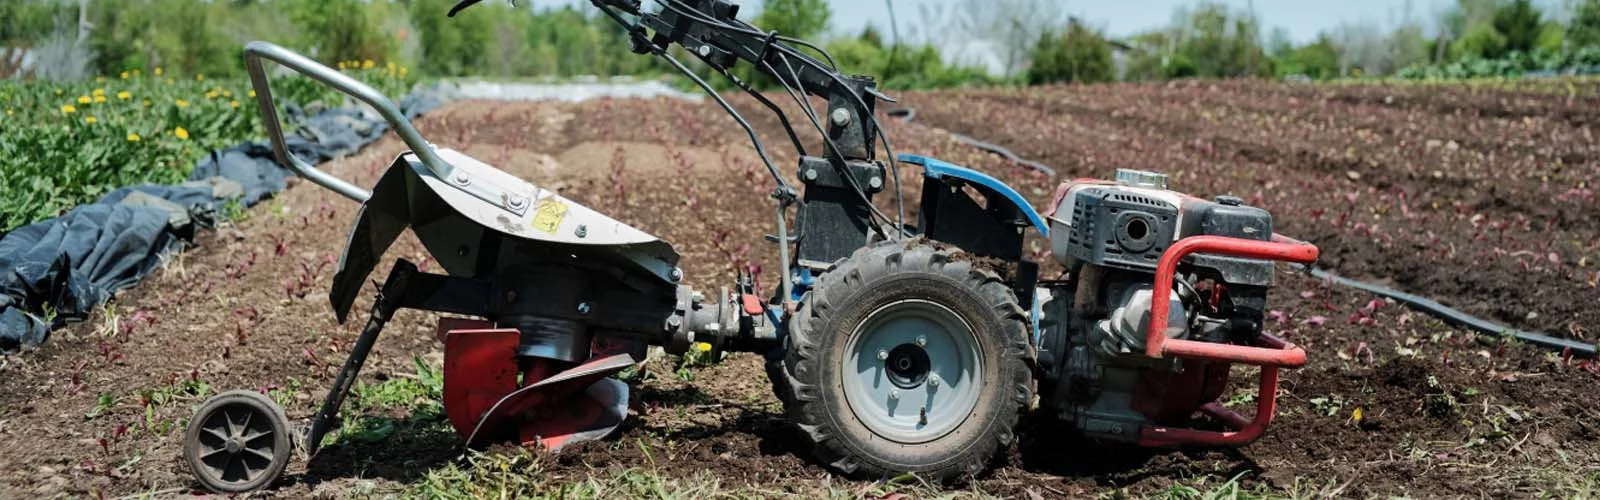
x: 1077, y: 54
x: 1318, y: 59
x: 1219, y: 42
x: 1011, y: 27
x: 343, y: 30
x: 1584, y: 30
x: 803, y: 19
x: 1520, y: 23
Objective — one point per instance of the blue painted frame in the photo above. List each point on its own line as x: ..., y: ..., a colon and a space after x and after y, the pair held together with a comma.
x: 936, y: 168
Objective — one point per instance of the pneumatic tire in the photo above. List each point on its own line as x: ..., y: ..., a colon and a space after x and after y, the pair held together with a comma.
x: 905, y: 358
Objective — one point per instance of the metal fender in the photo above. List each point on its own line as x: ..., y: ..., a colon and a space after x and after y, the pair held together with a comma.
x: 454, y: 217
x: 935, y: 168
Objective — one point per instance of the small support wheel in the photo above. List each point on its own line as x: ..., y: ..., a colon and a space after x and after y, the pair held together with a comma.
x: 239, y: 441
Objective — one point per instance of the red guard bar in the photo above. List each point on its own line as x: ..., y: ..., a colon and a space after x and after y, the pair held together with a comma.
x: 1158, y: 345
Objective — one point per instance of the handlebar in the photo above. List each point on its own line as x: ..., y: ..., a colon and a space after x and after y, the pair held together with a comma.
x: 254, y: 52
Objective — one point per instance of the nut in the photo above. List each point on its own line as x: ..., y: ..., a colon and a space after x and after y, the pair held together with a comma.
x: 841, y: 117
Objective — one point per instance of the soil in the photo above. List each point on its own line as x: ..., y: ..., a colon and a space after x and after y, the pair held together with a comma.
x: 1444, y: 413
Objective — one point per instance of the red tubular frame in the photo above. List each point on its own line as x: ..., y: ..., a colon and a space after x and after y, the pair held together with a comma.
x: 1272, y: 354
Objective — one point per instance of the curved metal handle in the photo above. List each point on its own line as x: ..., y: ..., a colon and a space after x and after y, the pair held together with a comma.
x: 254, y: 52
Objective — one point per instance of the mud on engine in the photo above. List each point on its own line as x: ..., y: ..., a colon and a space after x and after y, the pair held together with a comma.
x: 1092, y: 328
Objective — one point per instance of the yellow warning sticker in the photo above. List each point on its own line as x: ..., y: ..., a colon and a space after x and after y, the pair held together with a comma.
x: 547, y: 216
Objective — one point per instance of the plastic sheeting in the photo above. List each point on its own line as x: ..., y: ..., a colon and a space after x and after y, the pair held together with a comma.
x: 57, y: 270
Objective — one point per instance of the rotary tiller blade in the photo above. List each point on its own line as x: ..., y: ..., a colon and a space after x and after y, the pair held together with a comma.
x: 578, y: 404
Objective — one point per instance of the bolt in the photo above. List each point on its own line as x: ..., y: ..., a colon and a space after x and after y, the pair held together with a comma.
x: 933, y: 380
x: 583, y: 230
x: 811, y: 174
x: 697, y: 297
x: 674, y: 321
x: 583, y: 308
x: 517, y: 202
x: 876, y: 182
x: 705, y: 51
x: 883, y: 355
x: 461, y: 179
x: 894, y: 395
x: 676, y: 274
x: 922, y: 341
x: 840, y: 117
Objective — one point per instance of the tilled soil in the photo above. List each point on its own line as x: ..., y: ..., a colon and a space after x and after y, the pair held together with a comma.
x: 1443, y: 413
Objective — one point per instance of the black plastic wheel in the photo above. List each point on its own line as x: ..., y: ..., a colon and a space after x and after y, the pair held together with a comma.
x: 237, y: 442
x: 905, y: 358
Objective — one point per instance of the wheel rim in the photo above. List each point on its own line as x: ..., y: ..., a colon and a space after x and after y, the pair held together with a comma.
x: 912, y: 371
x: 235, y: 444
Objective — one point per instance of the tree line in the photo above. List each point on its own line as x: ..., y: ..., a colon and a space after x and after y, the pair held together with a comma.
x: 1019, y: 41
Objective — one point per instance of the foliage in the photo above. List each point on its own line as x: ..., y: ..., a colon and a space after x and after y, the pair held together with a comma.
x: 344, y: 30
x: 87, y: 138
x: 1078, y: 54
x: 1209, y: 40
x: 803, y: 19
x: 1584, y: 29
x: 1317, y: 60
x: 1479, y: 42
x: 1221, y: 43
x: 903, y: 67
x: 1520, y: 23
x: 1010, y: 27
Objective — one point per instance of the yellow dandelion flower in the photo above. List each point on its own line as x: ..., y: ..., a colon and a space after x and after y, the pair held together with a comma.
x: 124, y: 75
x: 146, y: 103
x: 58, y: 92
x: 341, y: 65
x: 181, y: 133
x: 132, y: 137
x: 199, y: 77
x: 211, y: 95
x: 8, y: 112
x: 227, y: 93
x: 68, y: 109
x: 252, y: 93
x: 83, y: 99
x: 702, y: 347
x: 90, y: 119
x: 99, y: 99
x: 124, y: 95
x: 368, y: 64
x: 390, y: 66
x: 158, y: 71
x: 98, y: 92
x: 234, y: 104
x: 171, y: 81
x: 182, y: 103
x: 100, y: 79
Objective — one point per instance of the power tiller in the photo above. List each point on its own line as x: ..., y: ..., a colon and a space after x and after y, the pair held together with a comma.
x: 894, y: 347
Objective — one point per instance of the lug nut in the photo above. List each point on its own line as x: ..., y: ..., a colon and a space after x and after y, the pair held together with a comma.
x: 883, y: 355
x: 922, y: 341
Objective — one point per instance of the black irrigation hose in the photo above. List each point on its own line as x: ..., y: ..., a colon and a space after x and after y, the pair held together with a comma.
x: 1428, y: 306
x: 908, y: 114
x: 1461, y: 319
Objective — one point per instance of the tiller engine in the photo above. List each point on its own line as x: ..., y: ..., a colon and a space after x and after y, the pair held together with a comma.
x: 895, y: 347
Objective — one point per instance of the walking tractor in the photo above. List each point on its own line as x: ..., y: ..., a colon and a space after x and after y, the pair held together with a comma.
x: 894, y: 347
